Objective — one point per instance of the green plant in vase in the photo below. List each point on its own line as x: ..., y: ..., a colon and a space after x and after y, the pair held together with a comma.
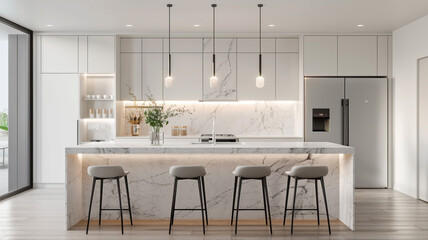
x: 156, y: 115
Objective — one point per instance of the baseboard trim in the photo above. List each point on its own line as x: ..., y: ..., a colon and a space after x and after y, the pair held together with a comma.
x: 49, y: 185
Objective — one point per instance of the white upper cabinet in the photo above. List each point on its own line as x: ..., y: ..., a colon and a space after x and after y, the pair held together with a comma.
x: 130, y: 76
x: 187, y: 74
x: 152, y: 75
x: 183, y: 45
x: 320, y: 55
x: 83, y: 54
x: 248, y: 71
x: 287, y: 76
x: 382, y: 55
x: 357, y: 55
x: 226, y: 74
x: 152, y: 45
x: 287, y: 45
x: 101, y: 54
x: 222, y: 45
x: 130, y: 45
x: 252, y: 45
x: 59, y: 54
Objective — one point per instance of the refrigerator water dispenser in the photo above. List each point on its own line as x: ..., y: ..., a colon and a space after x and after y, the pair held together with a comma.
x: 320, y: 119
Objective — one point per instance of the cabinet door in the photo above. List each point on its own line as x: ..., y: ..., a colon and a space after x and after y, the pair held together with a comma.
x: 59, y: 54
x: 59, y: 114
x: 187, y: 74
x: 152, y: 75
x: 248, y: 71
x: 130, y: 76
x: 152, y: 45
x: 290, y: 45
x: 251, y: 45
x: 130, y: 45
x: 226, y: 74
x: 357, y: 56
x: 101, y: 54
x: 320, y: 55
x: 287, y: 76
x: 183, y: 45
x: 83, y: 54
x: 382, y: 55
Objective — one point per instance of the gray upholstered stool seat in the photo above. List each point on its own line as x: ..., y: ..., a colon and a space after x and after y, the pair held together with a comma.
x: 107, y: 174
x: 184, y: 173
x: 308, y: 171
x: 316, y: 173
x: 106, y: 171
x: 187, y: 171
x: 252, y: 171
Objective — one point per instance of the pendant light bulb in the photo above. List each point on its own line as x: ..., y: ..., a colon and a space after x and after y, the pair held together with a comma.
x: 260, y: 82
x: 213, y: 82
x: 169, y: 81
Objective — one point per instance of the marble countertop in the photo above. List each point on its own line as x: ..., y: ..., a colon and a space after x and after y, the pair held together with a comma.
x: 123, y: 147
x: 199, y: 136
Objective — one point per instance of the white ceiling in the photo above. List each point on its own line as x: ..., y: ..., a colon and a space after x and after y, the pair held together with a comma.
x: 233, y: 16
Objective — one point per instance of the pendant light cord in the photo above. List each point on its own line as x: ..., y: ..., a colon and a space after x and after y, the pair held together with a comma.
x: 213, y: 6
x: 169, y: 39
x: 260, y: 39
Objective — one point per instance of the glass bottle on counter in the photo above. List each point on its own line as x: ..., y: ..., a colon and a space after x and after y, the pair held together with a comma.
x: 183, y: 131
x: 175, y: 131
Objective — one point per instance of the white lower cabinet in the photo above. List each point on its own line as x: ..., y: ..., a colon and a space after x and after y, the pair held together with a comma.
x: 58, y: 124
x: 226, y: 74
x: 248, y: 71
x: 287, y: 76
x: 130, y: 76
x: 187, y: 74
x: 152, y: 75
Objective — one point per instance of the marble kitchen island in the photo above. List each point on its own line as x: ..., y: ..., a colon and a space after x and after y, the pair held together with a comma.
x: 151, y: 185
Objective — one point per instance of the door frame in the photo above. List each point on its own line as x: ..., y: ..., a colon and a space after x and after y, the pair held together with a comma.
x: 30, y: 49
x: 418, y: 125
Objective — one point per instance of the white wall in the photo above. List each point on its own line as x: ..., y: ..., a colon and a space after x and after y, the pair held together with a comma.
x: 410, y: 43
x: 4, y: 76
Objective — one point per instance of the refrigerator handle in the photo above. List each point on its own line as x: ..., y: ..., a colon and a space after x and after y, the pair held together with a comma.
x: 346, y: 123
x: 343, y: 121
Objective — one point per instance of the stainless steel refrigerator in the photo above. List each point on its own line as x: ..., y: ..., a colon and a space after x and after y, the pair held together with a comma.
x: 353, y: 112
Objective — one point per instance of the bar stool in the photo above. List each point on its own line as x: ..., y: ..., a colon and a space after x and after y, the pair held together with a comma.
x: 306, y: 172
x: 108, y: 173
x: 189, y: 173
x: 251, y: 173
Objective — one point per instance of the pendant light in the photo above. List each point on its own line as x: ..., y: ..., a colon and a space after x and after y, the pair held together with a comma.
x: 260, y: 81
x: 213, y: 79
x: 169, y: 81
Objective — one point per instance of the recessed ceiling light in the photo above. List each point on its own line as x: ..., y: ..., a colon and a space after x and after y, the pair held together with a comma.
x: 49, y: 25
x: 271, y: 25
x: 360, y: 25
x: 196, y: 25
x: 129, y: 25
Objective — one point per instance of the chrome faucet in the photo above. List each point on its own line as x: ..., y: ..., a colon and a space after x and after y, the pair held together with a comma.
x: 214, y: 140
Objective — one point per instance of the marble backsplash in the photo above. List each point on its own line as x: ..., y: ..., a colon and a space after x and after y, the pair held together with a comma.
x: 261, y: 118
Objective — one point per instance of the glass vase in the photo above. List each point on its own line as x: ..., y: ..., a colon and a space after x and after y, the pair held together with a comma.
x: 156, y: 136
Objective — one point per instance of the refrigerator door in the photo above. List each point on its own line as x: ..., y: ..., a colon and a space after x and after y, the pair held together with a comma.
x: 323, y: 103
x: 368, y: 126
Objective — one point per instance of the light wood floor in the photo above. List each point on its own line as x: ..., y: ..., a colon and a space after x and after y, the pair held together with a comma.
x: 380, y: 214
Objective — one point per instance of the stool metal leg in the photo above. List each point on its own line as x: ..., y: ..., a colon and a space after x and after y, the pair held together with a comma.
x: 202, y: 204
x: 129, y: 200
x: 237, y: 204
x: 120, y: 203
x: 264, y: 201
x: 267, y: 202
x: 174, y: 194
x: 205, y: 199
x: 286, y: 199
x: 316, y: 197
x: 294, y: 204
x: 90, y: 204
x: 233, y: 202
x: 325, y: 201
x: 101, y: 201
